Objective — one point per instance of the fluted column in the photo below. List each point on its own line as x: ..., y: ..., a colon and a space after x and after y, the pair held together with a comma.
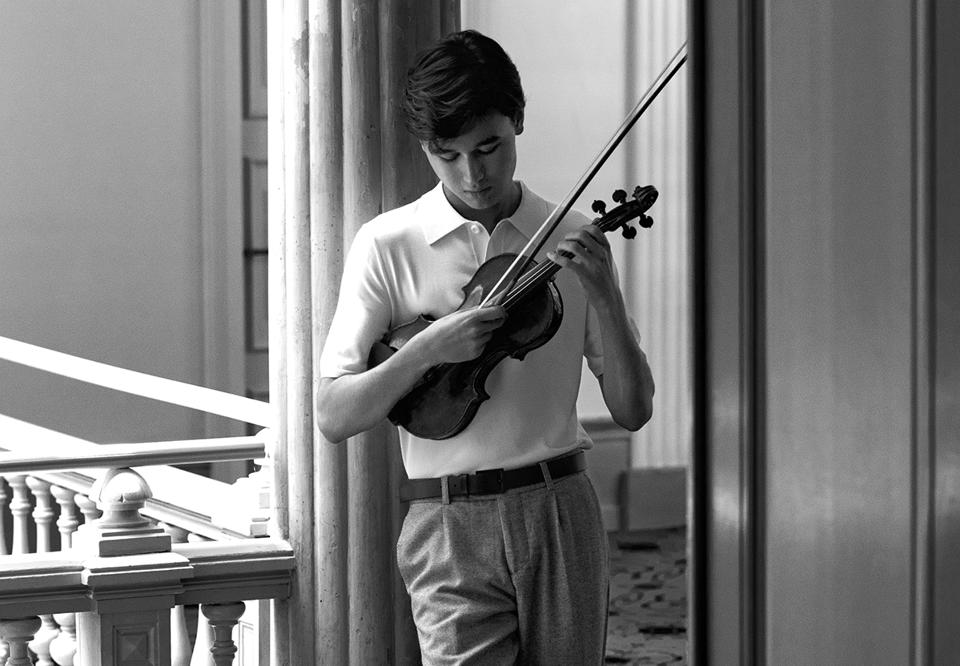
x: 371, y: 622
x: 333, y: 74
x: 658, y: 268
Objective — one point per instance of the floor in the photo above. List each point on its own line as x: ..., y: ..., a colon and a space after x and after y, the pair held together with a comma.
x: 648, y: 598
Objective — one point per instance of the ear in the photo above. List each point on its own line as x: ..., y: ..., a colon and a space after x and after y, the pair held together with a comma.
x: 518, y: 123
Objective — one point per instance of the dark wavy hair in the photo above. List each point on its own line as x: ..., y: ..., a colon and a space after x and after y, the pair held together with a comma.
x: 456, y: 82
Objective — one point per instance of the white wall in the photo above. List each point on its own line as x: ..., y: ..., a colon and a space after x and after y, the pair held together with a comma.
x: 99, y: 223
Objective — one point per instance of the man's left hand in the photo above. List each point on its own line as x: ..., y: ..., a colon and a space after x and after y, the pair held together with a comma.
x: 586, y: 252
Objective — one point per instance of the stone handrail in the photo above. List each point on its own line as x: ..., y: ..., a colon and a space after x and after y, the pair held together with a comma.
x: 201, y: 505
x: 201, y: 398
x: 209, y: 572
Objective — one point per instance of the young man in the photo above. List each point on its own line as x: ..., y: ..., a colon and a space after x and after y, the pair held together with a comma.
x: 503, y: 549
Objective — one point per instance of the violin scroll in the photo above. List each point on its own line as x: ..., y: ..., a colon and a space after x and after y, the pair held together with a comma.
x: 643, y: 198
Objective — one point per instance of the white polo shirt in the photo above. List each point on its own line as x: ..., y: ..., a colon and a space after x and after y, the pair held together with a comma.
x: 415, y: 260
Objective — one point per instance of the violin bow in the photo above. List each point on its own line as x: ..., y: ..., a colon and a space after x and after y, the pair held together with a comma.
x: 518, y: 265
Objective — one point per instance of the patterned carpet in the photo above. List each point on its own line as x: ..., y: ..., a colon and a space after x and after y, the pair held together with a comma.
x: 648, y: 598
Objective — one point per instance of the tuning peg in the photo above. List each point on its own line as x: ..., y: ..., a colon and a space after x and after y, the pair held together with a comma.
x: 628, y: 231
x: 619, y: 196
x: 646, y: 221
x: 599, y: 207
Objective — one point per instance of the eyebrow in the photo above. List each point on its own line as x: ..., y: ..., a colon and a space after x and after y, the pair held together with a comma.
x: 493, y: 138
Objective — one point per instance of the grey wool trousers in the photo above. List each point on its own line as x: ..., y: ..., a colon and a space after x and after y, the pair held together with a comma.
x: 515, y: 578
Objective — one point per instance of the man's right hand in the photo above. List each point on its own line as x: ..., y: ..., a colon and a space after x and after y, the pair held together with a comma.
x: 462, y: 335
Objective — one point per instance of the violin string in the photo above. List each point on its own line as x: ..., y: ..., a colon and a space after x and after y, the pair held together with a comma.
x: 530, y: 279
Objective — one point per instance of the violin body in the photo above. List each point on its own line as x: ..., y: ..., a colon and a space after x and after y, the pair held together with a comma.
x: 448, y: 396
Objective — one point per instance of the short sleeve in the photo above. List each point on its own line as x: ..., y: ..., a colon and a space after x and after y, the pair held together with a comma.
x: 363, y: 310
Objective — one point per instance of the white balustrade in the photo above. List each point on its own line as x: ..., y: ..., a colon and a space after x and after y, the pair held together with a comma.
x: 43, y: 513
x: 179, y: 634
x: 204, y: 643
x: 4, y: 497
x: 67, y: 522
x: 17, y: 633
x: 87, y: 507
x: 20, y: 506
x: 43, y: 516
x: 63, y: 648
x: 223, y: 618
x: 102, y: 545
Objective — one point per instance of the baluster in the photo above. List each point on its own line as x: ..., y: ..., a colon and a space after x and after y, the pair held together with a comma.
x: 3, y: 528
x: 18, y: 633
x: 43, y: 513
x: 63, y: 648
x: 20, y: 538
x: 68, y: 521
x: 223, y: 618
x: 204, y: 640
x: 203, y: 643
x: 43, y: 517
x: 179, y: 636
x: 4, y: 496
x: 20, y: 507
x: 88, y: 507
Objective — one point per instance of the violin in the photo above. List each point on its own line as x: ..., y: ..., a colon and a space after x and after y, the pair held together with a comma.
x: 446, y: 399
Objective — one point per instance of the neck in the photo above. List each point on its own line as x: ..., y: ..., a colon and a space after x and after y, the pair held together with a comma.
x: 488, y: 217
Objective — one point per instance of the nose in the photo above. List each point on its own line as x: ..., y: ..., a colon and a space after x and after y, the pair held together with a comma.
x: 473, y: 171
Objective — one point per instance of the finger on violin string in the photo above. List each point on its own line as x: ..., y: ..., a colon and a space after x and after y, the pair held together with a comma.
x: 562, y: 257
x: 591, y: 238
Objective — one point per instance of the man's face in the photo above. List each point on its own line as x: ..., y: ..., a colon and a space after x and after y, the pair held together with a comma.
x: 476, y: 168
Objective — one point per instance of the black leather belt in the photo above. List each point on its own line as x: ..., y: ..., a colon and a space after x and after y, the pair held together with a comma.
x: 492, y: 481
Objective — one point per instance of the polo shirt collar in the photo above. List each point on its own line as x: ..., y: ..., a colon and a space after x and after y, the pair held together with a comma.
x: 440, y: 218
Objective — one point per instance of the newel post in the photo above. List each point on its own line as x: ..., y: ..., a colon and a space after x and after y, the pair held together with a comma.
x: 132, y: 577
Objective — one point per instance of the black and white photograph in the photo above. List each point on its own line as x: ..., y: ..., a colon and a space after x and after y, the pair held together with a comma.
x: 479, y: 333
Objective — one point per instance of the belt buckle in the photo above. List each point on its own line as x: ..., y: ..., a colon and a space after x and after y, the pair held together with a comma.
x: 490, y: 481
x: 458, y: 484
